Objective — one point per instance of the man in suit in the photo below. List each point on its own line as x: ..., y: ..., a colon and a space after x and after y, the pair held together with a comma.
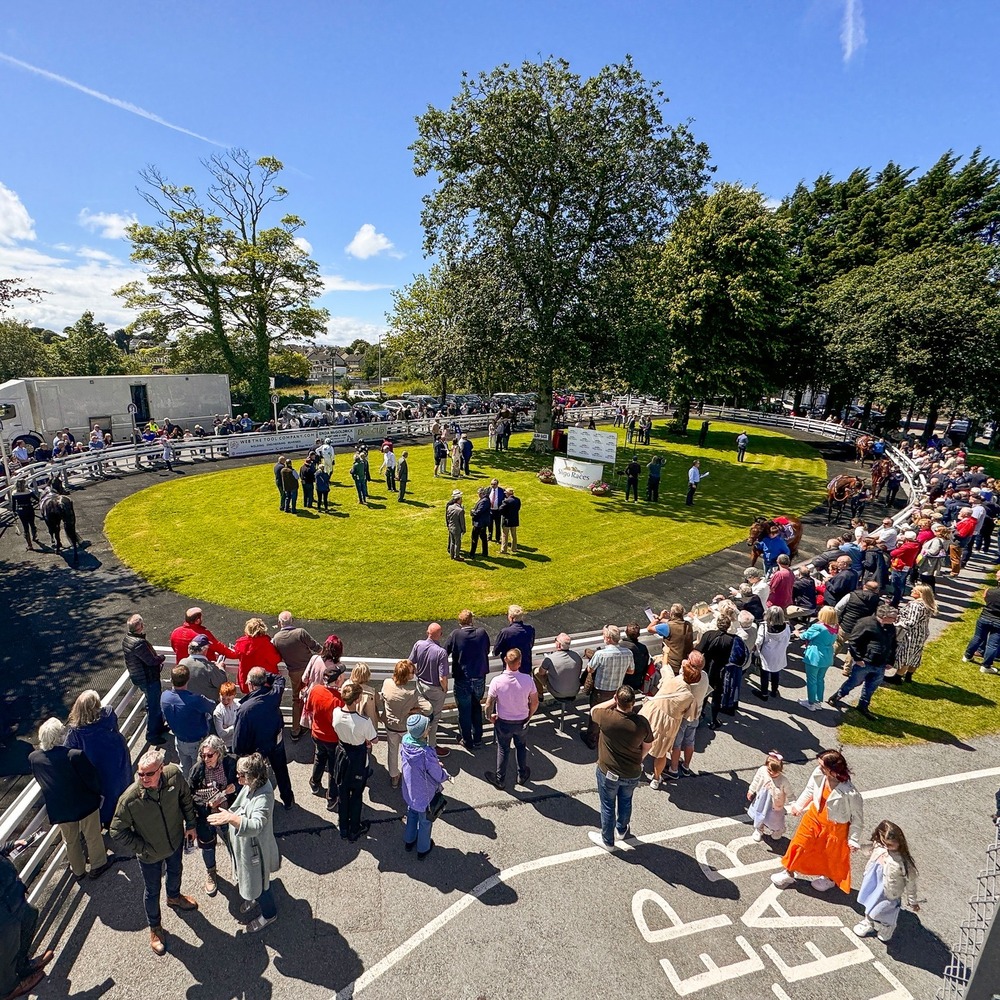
x: 496, y: 494
x: 403, y: 474
x: 481, y: 520
x: 510, y: 520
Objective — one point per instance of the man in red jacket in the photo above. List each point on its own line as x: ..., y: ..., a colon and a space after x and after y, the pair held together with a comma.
x: 181, y: 637
x: 961, y: 545
x: 902, y: 559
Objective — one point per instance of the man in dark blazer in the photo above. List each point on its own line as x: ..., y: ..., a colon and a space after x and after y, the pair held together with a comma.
x: 260, y: 727
x: 497, y: 494
x: 403, y: 474
x: 510, y: 520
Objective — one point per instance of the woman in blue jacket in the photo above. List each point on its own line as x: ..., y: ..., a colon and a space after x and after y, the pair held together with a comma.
x: 93, y: 729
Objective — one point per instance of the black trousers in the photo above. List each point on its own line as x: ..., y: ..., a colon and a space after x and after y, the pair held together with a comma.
x: 402, y: 489
x: 480, y: 535
x: 652, y: 489
x: 28, y: 525
x: 692, y: 489
x: 633, y: 486
x: 279, y: 764
x: 495, y: 526
x: 390, y: 480
x: 325, y: 755
x: 349, y: 814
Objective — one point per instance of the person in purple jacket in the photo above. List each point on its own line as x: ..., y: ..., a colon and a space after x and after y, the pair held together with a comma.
x: 423, y: 777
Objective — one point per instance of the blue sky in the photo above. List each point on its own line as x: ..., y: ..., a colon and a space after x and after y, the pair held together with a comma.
x: 780, y: 91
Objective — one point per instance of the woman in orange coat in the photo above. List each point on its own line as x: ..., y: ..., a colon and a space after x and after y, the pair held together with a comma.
x: 255, y: 649
x: 830, y: 829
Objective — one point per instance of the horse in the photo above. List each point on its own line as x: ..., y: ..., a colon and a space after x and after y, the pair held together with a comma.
x: 840, y: 490
x: 863, y: 443
x: 880, y: 473
x: 791, y: 529
x: 57, y: 511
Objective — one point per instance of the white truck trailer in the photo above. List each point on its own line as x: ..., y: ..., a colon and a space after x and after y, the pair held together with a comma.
x: 37, y: 408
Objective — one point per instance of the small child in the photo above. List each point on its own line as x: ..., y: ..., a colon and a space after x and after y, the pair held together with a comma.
x: 224, y: 715
x: 767, y: 795
x: 889, y: 875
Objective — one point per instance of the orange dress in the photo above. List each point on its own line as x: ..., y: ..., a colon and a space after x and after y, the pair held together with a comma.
x: 819, y: 846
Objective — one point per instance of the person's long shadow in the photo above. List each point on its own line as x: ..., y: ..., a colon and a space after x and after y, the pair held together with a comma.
x: 708, y: 793
x: 676, y: 868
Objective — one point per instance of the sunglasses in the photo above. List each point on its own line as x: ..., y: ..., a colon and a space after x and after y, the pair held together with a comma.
x: 149, y: 774
x: 211, y: 753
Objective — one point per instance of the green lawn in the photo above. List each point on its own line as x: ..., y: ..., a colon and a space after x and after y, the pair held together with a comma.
x: 949, y: 701
x: 220, y: 537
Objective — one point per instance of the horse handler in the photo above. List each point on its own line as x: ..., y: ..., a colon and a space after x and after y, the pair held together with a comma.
x: 22, y: 502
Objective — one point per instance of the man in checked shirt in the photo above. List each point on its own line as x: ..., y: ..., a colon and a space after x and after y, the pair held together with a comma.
x: 607, y: 669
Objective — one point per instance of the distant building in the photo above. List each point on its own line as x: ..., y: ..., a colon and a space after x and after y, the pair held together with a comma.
x: 325, y: 363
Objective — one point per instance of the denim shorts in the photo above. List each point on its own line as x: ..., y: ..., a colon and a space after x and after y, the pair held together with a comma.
x: 684, y: 740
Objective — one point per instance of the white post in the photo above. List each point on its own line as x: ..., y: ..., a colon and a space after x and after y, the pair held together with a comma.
x: 274, y: 407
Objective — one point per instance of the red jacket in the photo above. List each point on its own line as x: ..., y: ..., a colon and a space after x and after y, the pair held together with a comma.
x: 965, y: 527
x: 906, y: 553
x: 321, y: 701
x: 255, y: 651
x: 183, y: 634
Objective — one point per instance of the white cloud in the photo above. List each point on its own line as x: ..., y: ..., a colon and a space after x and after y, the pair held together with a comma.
x: 343, y: 330
x: 368, y: 243
x: 89, y: 253
x: 303, y: 244
x: 337, y: 283
x: 115, y: 102
x: 772, y: 204
x: 852, y: 29
x: 15, y: 223
x: 110, y: 225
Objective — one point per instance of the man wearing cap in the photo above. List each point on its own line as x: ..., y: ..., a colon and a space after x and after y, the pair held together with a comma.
x: 189, y: 715
x: 205, y: 678
x: 454, y: 518
x: 496, y: 493
x: 481, y: 520
x: 296, y: 647
x: 432, y: 673
x: 193, y: 625
x: 510, y: 521
x: 469, y: 649
x: 320, y: 703
x: 511, y: 703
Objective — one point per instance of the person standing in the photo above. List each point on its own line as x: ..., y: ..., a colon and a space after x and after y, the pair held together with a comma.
x: 255, y: 649
x: 772, y: 643
x: 456, y: 458
x: 403, y: 474
x: 481, y: 520
x: 19, y: 974
x: 22, y: 503
x: 213, y: 785
x: 296, y: 647
x: 388, y: 467
x: 143, y: 664
x: 355, y: 735
x: 205, y: 677
x: 289, y: 487
x: 454, y: 519
x: 469, y: 649
x: 440, y: 456
x: 252, y: 845
x: 625, y: 739
x: 516, y: 635
x: 467, y: 446
x: 278, y: 467
x: 152, y: 820
x: 359, y: 473
x: 188, y: 715
x: 510, y: 521
x: 430, y: 659
x: 194, y: 625
x: 873, y: 646
x: 71, y: 791
x: 742, y: 441
x: 496, y: 494
x: 328, y: 456
x: 986, y: 635
x: 820, y: 639
x: 307, y: 477
x: 322, y: 488
x: 632, y: 472
x: 398, y: 700
x: 913, y: 627
x: 320, y: 703
x: 695, y: 476
x: 260, y: 727
x: 423, y: 777
x: 510, y: 704
x: 655, y: 471
x: 606, y: 672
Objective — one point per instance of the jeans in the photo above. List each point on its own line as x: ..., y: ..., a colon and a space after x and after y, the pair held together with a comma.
x: 323, y: 500
x: 741, y: 454
x: 15, y: 947
x: 152, y: 876
x: 155, y: 724
x: 815, y: 682
x: 323, y: 760
x: 985, y: 637
x: 469, y: 696
x: 289, y: 498
x: 504, y: 732
x: 418, y: 828
x: 390, y: 480
x: 615, y: 793
x: 362, y: 488
x: 898, y: 585
x: 862, y: 673
x: 188, y: 754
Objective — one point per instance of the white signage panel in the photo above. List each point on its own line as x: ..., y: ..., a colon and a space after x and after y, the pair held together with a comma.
x: 579, y: 475
x: 598, y: 446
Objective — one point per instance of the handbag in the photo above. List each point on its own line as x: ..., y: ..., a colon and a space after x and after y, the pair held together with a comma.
x: 437, y: 805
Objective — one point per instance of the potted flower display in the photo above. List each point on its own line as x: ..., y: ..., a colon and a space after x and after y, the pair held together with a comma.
x: 600, y: 489
x: 546, y: 476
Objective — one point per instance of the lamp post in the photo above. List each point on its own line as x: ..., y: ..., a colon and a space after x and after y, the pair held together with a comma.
x: 380, y: 364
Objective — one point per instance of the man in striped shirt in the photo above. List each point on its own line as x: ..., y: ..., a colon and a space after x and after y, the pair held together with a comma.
x: 606, y: 671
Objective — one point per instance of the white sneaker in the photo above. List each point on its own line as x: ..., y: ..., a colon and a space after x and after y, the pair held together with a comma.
x: 625, y: 835
x: 864, y: 929
x: 823, y: 884
x: 989, y: 670
x: 965, y: 659
x: 655, y: 783
x: 757, y: 836
x: 783, y: 879
x: 595, y: 836
x: 816, y: 706
x: 805, y: 703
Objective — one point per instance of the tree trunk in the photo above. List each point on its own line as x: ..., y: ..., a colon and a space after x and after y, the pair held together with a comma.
x: 683, y: 411
x: 892, y: 414
x: 260, y: 393
x: 543, y: 414
x: 931, y: 422
x: 909, y: 414
x: 797, y: 401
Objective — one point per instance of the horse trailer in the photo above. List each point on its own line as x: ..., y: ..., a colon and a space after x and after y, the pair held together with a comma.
x: 35, y: 409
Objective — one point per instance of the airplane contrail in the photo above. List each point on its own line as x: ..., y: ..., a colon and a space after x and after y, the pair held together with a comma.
x: 108, y: 99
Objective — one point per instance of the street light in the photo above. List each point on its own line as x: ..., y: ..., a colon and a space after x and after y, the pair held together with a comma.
x: 380, y: 364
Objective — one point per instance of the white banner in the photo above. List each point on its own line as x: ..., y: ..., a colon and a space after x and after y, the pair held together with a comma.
x: 298, y: 440
x: 579, y: 475
x: 599, y: 446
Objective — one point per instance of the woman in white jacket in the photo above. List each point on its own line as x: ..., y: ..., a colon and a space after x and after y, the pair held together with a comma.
x: 830, y: 829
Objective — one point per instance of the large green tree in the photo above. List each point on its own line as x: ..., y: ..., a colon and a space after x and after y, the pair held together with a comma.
x: 23, y: 353
x: 554, y: 178
x: 220, y: 274
x: 87, y: 349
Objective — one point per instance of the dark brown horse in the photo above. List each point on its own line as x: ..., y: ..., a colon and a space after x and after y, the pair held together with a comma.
x: 839, y: 491
x: 880, y: 473
x: 57, y: 511
x: 791, y: 531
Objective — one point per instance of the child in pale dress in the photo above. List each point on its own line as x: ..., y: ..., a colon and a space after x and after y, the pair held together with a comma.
x: 767, y: 795
x: 890, y: 878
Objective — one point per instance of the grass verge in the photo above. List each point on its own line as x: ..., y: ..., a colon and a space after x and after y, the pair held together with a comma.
x: 220, y: 537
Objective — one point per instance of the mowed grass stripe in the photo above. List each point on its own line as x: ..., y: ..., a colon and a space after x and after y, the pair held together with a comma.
x: 220, y: 537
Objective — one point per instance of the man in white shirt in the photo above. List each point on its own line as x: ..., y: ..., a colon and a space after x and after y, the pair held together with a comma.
x: 356, y: 735
x: 887, y: 534
x: 695, y: 476
x: 389, y: 468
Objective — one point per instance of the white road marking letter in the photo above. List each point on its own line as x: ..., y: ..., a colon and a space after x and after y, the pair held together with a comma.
x: 730, y: 851
x: 768, y: 900
x: 823, y: 964
x: 715, y: 973
x: 679, y: 928
x: 899, y: 992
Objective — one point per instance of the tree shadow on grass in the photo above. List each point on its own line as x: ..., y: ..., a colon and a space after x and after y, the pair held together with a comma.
x: 886, y: 728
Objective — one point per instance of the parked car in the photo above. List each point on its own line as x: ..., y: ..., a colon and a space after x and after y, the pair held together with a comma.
x: 306, y: 414
x: 431, y: 402
x: 376, y: 409
x: 396, y: 406
x: 358, y: 394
